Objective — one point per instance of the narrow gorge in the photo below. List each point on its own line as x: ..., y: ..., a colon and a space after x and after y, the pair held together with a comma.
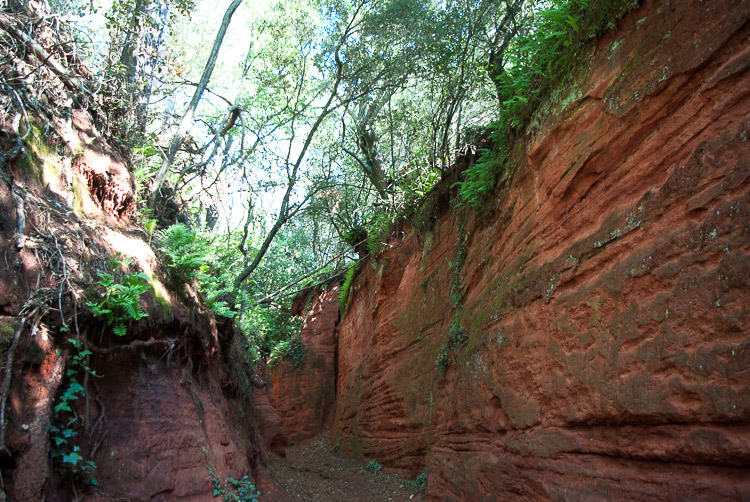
x: 583, y: 335
x: 600, y: 299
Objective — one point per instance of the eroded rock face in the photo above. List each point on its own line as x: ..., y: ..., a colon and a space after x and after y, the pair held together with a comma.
x: 164, y: 426
x: 164, y: 406
x: 305, y: 396
x: 603, y: 298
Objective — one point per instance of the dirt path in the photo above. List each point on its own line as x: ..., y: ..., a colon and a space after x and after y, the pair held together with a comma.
x: 313, y: 472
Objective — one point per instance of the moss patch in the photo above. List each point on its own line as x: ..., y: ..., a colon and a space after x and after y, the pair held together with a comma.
x: 8, y: 326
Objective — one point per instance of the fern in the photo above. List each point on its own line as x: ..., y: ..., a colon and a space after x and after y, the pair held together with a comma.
x: 346, y: 290
x: 185, y: 252
x: 536, y: 62
x: 119, y: 302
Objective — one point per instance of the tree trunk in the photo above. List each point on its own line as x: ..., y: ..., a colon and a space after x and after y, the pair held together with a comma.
x: 504, y: 33
x: 187, y: 118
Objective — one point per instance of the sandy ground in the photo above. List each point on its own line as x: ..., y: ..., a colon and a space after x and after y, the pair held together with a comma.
x: 313, y: 471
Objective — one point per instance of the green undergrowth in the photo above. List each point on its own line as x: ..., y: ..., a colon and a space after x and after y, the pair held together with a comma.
x: 119, y: 296
x: 293, y: 348
x: 419, y: 483
x: 189, y: 256
x: 374, y: 466
x: 67, y: 421
x: 345, y: 291
x: 234, y: 490
x: 536, y: 62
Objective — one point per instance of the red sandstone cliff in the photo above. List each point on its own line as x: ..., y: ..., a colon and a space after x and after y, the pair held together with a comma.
x: 163, y: 407
x: 604, y: 294
x: 305, y: 396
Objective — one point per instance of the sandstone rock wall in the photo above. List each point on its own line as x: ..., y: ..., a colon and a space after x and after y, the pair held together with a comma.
x: 604, y: 296
x: 304, y: 396
x: 163, y: 407
x: 164, y: 425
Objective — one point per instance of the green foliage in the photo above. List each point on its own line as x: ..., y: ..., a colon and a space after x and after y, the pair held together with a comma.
x: 374, y: 466
x: 185, y: 252
x: 189, y: 255
x: 63, y: 427
x: 119, y: 302
x: 481, y: 177
x: 378, y: 232
x: 345, y: 290
x: 292, y: 348
x: 235, y: 490
x: 150, y: 225
x: 419, y: 484
x: 355, y: 236
x: 548, y: 52
x: 457, y: 338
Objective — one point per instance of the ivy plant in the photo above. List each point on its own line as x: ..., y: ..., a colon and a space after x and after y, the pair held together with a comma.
x: 234, y: 490
x: 63, y: 427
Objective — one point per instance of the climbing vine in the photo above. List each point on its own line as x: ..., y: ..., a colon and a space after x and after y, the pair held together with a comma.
x: 63, y: 429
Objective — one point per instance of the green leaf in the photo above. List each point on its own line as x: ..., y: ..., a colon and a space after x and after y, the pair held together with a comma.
x: 63, y: 406
x: 72, y: 458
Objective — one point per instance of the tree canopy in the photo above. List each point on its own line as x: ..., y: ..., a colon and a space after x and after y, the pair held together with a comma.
x: 295, y: 132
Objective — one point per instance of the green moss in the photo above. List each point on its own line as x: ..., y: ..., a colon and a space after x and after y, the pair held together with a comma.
x: 80, y: 193
x: 8, y: 327
x: 38, y: 154
x: 163, y: 304
x: 476, y: 322
x: 595, y: 305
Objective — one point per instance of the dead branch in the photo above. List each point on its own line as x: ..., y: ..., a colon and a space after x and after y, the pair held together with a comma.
x: 72, y: 82
x: 5, y: 387
x: 21, y: 215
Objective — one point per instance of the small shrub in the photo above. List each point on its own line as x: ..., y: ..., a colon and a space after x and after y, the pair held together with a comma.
x: 419, y: 484
x: 374, y: 466
x: 481, y: 177
x: 355, y: 236
x: 377, y: 232
x: 235, y: 490
x: 293, y: 348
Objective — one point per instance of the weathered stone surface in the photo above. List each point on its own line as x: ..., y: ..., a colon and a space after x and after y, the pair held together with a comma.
x: 604, y: 296
x: 164, y: 426
x: 305, y: 396
x: 158, y: 401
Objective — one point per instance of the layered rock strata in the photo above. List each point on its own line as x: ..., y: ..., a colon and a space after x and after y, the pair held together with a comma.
x: 585, y: 335
x: 305, y: 392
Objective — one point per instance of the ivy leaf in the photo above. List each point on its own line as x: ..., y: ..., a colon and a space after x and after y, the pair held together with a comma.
x: 72, y: 458
x: 63, y: 406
